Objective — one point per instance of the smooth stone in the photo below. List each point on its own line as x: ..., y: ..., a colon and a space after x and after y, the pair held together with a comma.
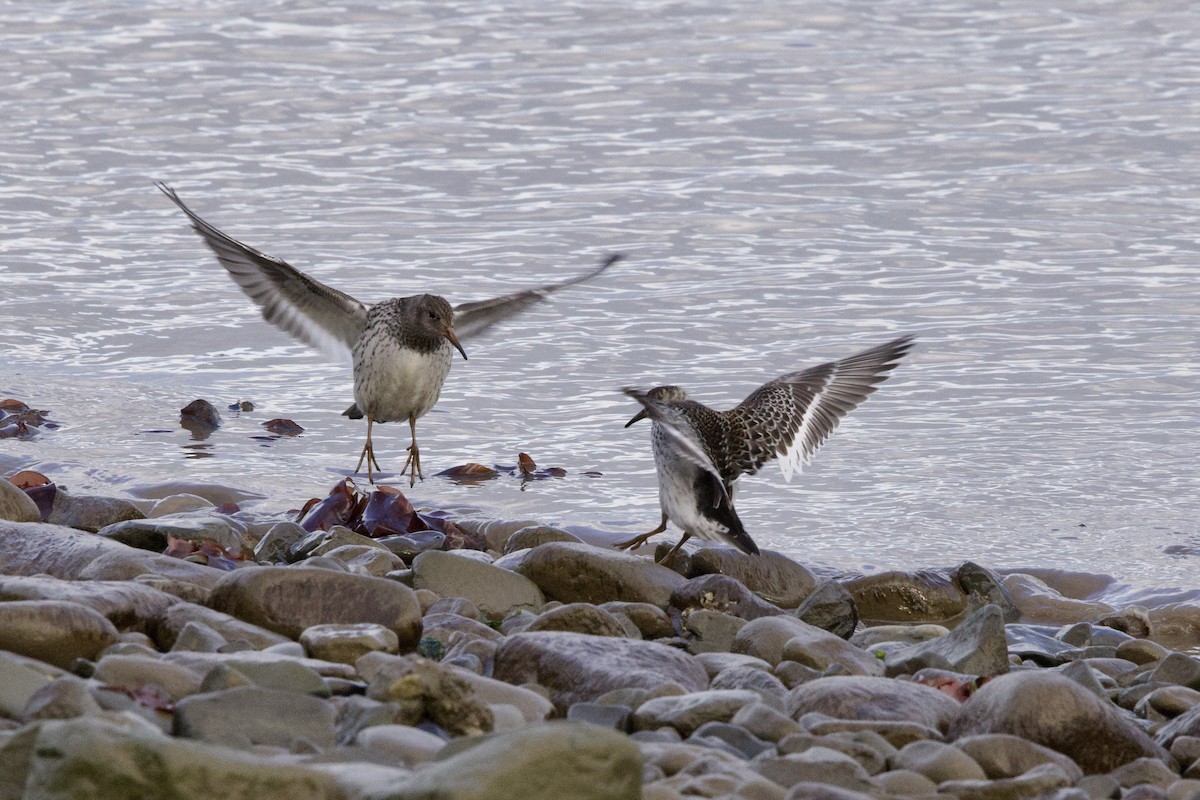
x: 905, y: 783
x: 605, y: 715
x: 772, y: 576
x: 765, y: 722
x: 200, y: 638
x: 1142, y: 651
x: 451, y: 605
x: 1051, y: 710
x: 287, y: 600
x: 551, y: 760
x: 134, y: 672
x: 494, y: 531
x: 181, y: 503
x: 717, y: 592
x: 374, y: 561
x: 977, y: 646
x: 128, y: 606
x: 90, y: 512
x: 406, y: 744
x: 103, y: 759
x: 254, y: 715
x: 277, y: 543
x: 906, y: 634
x: 15, y: 505
x: 747, y: 744
x: 580, y: 573
x: 786, y: 638
x: 1002, y: 755
x: 291, y: 672
x: 179, y: 615
x: 155, y: 534
x: 575, y: 667
x: 495, y: 591
x: 1186, y: 724
x: 651, y: 621
x: 347, y: 643
x: 1179, y: 669
x: 54, y: 631
x: 857, y: 697
x: 821, y: 765
x: 1029, y: 642
x: 28, y: 548
x: 1171, y: 701
x: 322, y: 543
x: 212, y: 492
x: 448, y: 629
x: 409, y: 545
x: 265, y: 665
x: 686, y: 713
x: 533, y: 535
x: 578, y: 618
x: 711, y: 631
x: 984, y: 587
x: 898, y: 596
x: 938, y: 761
x: 719, y: 662
x: 1038, y: 782
x: 1039, y: 602
x: 1144, y: 771
x: 830, y: 607
x: 770, y: 689
x: 65, y: 697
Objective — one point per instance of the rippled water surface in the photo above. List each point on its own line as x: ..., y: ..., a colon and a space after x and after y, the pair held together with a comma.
x: 1018, y: 184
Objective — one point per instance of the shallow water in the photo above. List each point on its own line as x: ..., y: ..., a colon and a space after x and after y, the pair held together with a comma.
x: 1015, y: 184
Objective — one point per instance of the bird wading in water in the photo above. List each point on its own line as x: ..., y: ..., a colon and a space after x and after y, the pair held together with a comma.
x: 699, y: 453
x: 400, y: 348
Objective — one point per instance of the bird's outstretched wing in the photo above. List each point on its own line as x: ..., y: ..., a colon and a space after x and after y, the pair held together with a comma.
x: 317, y: 314
x: 793, y: 415
x: 471, y: 319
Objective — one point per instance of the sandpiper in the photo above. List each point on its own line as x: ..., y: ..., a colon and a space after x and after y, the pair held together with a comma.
x: 400, y: 348
x: 699, y: 453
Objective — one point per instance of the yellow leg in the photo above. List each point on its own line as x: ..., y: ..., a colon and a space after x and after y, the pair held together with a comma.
x: 671, y: 554
x: 414, y: 455
x: 367, y: 455
x: 640, y: 539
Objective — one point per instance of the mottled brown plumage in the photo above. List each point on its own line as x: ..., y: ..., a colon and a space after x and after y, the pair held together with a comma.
x: 699, y: 453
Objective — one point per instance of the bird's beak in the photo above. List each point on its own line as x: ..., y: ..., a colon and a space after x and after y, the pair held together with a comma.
x: 636, y: 417
x: 454, y: 341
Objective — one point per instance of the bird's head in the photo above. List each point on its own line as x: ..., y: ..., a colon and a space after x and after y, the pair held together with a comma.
x: 662, y: 394
x: 434, y: 317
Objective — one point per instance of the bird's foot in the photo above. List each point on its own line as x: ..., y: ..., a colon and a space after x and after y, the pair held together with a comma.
x: 636, y: 541
x: 414, y: 460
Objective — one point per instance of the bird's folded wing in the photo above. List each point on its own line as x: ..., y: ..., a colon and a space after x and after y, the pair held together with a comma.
x: 471, y: 319
x: 674, y: 425
x: 316, y: 314
x: 791, y: 416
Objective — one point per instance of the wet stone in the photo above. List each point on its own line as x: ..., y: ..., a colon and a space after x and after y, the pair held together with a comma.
x: 155, y: 534
x: 650, y: 620
x: 533, y: 535
x: 977, y: 646
x: 721, y: 593
x: 830, y: 607
x: 496, y: 592
x: 772, y: 576
x: 410, y: 545
x: 873, y: 698
x: 1179, y: 669
x: 745, y: 743
x: 54, y: 631
x: 90, y: 512
x: 711, y: 631
x: 579, y: 618
x: 579, y: 573
x: 277, y: 543
x: 918, y: 596
x: 15, y: 505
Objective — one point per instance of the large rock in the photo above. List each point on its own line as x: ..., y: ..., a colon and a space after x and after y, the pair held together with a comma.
x: 579, y: 618
x: 579, y: 573
x: 15, y: 505
x: 552, y: 759
x: 872, y: 698
x: 232, y: 629
x: 54, y: 631
x: 155, y: 534
x: 687, y: 712
x: 1051, y: 710
x: 90, y: 512
x: 20, y: 679
x: 31, y: 548
x: 716, y: 592
x: 494, y: 591
x: 920, y: 596
x: 1004, y: 756
x: 129, y: 606
x: 251, y: 715
x: 289, y: 599
x: 576, y: 667
x: 103, y: 760
x: 772, y: 576
x: 977, y: 647
x: 776, y: 639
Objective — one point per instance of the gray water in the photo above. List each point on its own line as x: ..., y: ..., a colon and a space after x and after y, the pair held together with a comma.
x: 791, y: 182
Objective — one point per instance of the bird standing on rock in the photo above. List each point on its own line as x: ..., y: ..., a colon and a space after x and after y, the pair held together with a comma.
x: 400, y: 349
x: 699, y: 453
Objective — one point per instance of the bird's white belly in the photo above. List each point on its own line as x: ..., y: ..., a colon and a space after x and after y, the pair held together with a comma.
x: 392, y: 383
x: 677, y: 495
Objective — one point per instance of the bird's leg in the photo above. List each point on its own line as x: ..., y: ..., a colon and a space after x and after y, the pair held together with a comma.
x: 367, y: 455
x: 671, y: 554
x: 640, y: 539
x: 414, y: 455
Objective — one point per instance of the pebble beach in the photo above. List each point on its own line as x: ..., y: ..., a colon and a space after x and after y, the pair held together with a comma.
x: 175, y: 644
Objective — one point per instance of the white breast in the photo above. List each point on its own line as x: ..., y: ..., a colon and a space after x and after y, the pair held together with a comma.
x: 392, y: 382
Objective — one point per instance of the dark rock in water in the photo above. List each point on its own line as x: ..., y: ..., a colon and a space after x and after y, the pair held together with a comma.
x: 920, y: 596
x: 1134, y: 621
x: 1038, y: 644
x: 241, y: 405
x: 977, y: 646
x: 469, y: 473
x: 860, y: 697
x: 534, y: 535
x: 715, y: 592
x: 1051, y: 710
x: 580, y: 573
x: 830, y: 607
x: 576, y: 667
x: 289, y: 599
x: 283, y: 427
x: 199, y: 418
x: 982, y: 586
x: 770, y: 575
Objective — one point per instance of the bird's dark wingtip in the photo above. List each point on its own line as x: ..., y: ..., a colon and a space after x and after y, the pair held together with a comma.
x: 353, y: 412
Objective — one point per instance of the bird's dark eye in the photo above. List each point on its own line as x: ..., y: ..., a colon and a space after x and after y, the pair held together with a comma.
x: 433, y: 315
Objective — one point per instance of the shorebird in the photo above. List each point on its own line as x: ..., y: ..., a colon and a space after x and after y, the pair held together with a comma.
x: 400, y: 348
x: 699, y: 453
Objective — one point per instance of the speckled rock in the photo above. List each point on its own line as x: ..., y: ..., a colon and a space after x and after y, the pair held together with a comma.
x: 495, y: 591
x: 1051, y: 710
x: 15, y: 505
x: 772, y: 576
x: 580, y: 573
x: 918, y: 596
x: 289, y: 599
x: 873, y: 698
x: 711, y: 631
x: 716, y: 592
x: 575, y: 667
x: 54, y: 631
x: 578, y: 618
x: 424, y: 689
